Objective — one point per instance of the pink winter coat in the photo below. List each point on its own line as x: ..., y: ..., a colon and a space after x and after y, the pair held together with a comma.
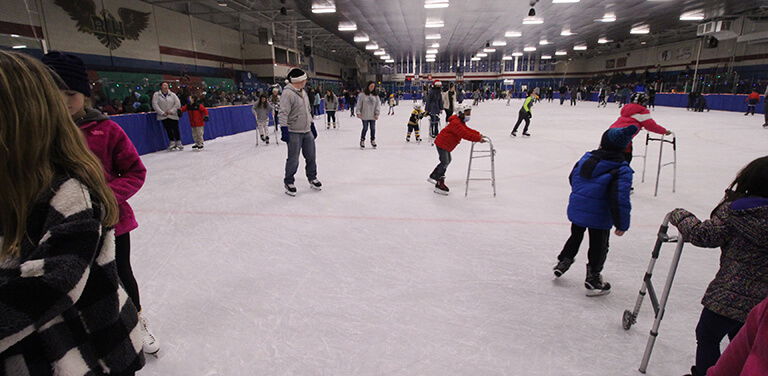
x: 747, y: 355
x: 122, y: 165
x: 638, y: 115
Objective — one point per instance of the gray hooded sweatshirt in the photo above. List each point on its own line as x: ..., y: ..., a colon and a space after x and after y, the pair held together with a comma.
x: 295, y: 110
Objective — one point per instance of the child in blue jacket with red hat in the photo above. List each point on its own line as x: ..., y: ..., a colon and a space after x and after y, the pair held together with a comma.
x: 599, y: 200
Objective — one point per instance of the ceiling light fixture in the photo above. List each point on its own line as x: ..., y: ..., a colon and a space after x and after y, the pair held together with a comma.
x: 546, y: 57
x: 579, y: 47
x: 430, y: 60
x: 14, y: 35
x: 694, y: 15
x: 516, y: 53
x: 430, y: 56
x: 640, y: 29
x: 221, y: 3
x: 604, y: 40
x: 513, y: 34
x: 564, y: 1
x: 608, y: 17
x: 389, y: 61
x: 481, y: 54
x: 323, y: 6
x: 433, y: 36
x: 561, y: 53
x: 19, y: 46
x: 435, y: 45
x: 489, y: 49
x: 507, y: 58
x: 385, y: 57
x: 434, y: 23
x: 361, y: 38
x: 432, y: 51
x: 380, y: 52
x: 543, y: 42
x: 566, y: 33
x: 475, y: 59
x: 372, y: 46
x: 499, y: 43
x: 529, y: 49
x: 433, y: 4
x: 347, y: 26
x: 533, y: 21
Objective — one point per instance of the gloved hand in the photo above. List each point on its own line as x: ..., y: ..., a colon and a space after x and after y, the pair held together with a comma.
x: 284, y: 134
x: 677, y: 216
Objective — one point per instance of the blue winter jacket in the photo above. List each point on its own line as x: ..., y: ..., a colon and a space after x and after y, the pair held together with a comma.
x: 600, y: 185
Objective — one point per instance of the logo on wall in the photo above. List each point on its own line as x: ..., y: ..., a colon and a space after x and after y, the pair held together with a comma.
x: 110, y: 31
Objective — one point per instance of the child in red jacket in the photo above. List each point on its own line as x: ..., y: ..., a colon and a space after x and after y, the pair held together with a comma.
x: 752, y: 100
x: 635, y: 113
x: 747, y: 354
x: 447, y: 140
x: 198, y: 115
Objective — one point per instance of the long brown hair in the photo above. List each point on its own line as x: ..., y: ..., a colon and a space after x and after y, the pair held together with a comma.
x: 38, y: 140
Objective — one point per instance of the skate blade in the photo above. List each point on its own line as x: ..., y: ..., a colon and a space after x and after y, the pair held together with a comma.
x: 441, y: 192
x: 292, y: 194
x: 431, y: 181
x: 316, y: 188
x: 595, y: 293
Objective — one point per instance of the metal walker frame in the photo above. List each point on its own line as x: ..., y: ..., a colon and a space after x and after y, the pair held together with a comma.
x: 659, y: 306
x: 477, y: 154
x: 662, y: 140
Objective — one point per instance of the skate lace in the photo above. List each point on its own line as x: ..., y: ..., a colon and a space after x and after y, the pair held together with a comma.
x: 149, y: 338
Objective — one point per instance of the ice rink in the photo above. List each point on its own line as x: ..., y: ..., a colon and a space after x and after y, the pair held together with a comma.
x: 378, y: 275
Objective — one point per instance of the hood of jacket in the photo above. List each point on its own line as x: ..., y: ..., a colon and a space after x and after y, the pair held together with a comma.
x: 601, y: 162
x: 92, y: 116
x: 750, y: 218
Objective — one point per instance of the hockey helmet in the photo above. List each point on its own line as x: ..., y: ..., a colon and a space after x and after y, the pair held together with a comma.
x: 639, y: 98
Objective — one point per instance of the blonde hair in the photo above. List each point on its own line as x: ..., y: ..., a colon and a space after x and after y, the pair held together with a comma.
x: 39, y: 140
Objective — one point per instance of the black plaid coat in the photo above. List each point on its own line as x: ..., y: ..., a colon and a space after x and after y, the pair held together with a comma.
x: 62, y: 309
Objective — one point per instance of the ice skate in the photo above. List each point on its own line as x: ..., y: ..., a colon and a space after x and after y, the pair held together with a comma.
x: 418, y: 139
x: 595, y: 285
x: 194, y: 147
x: 562, y: 266
x: 266, y: 140
x: 316, y: 185
x: 200, y: 147
x: 373, y: 143
x: 526, y: 134
x: 172, y: 146
x: 362, y: 144
x: 151, y: 344
x: 408, y: 138
x: 513, y: 134
x: 179, y: 146
x: 290, y: 190
x: 441, y: 188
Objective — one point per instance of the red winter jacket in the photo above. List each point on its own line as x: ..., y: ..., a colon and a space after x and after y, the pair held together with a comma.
x: 122, y: 165
x: 747, y: 355
x: 196, y: 115
x: 452, y: 134
x: 638, y: 115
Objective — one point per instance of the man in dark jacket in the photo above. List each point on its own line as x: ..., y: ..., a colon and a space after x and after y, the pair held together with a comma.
x: 434, y: 108
x: 599, y: 200
x: 563, y: 93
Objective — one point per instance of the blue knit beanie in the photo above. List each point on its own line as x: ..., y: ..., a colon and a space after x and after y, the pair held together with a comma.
x: 617, y: 138
x: 71, y: 70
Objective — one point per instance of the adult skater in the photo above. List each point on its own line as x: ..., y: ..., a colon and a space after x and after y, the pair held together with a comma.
x: 368, y: 109
x: 449, y: 101
x: 167, y: 104
x: 299, y: 131
x: 563, y: 92
x: 635, y: 113
x: 599, y: 200
x: 765, y: 107
x: 434, y: 108
x: 64, y: 310
x: 601, y: 97
x: 574, y: 95
x: 447, y: 140
x: 738, y: 226
x: 331, y: 105
x: 652, y: 96
x: 525, y: 114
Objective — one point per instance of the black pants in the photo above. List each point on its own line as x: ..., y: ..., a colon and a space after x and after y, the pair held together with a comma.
x: 628, y: 156
x: 445, y: 159
x: 598, y: 246
x: 448, y: 114
x: 331, y: 115
x: 562, y: 99
x: 765, y: 111
x: 710, y: 331
x: 651, y: 102
x: 124, y: 270
x: 523, y: 115
x: 172, y: 129
x: 573, y: 101
x: 750, y: 109
x: 276, y: 119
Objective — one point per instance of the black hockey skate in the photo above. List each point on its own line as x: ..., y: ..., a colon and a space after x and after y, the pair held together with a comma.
x: 290, y: 190
x: 373, y: 143
x: 595, y: 285
x: 316, y: 185
x: 526, y: 134
x: 562, y: 266
x: 513, y: 134
x: 441, y: 188
x: 362, y: 144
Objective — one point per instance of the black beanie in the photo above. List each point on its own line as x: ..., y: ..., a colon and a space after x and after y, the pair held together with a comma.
x: 71, y: 70
x: 295, y: 73
x: 618, y: 138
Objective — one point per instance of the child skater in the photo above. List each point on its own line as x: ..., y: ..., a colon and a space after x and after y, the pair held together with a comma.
x: 599, y: 200
x: 261, y: 111
x: 198, y: 115
x: 747, y: 354
x: 413, y: 123
x: 635, y: 113
x: 123, y: 169
x: 752, y: 99
x: 64, y: 309
x: 447, y: 140
x: 525, y: 114
x: 738, y: 226
x: 392, y: 104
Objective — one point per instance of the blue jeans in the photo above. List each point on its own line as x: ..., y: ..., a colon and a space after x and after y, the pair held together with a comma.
x: 304, y: 143
x: 445, y: 159
x: 710, y: 331
x: 372, y: 125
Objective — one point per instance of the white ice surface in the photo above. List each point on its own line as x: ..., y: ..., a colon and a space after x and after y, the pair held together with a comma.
x: 378, y: 275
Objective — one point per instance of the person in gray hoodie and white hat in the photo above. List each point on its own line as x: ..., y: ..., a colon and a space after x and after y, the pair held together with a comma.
x: 298, y: 130
x: 167, y: 104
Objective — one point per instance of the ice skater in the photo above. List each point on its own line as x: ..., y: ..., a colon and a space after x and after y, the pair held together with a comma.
x: 434, y: 107
x: 261, y: 111
x: 601, y: 98
x: 392, y: 104
x: 599, y: 200
x: 299, y: 131
x: 413, y: 123
x: 447, y: 140
x: 738, y: 226
x: 198, y: 115
x: 331, y: 105
x: 525, y: 115
x: 635, y: 113
x: 368, y: 109
x: 167, y: 104
x: 752, y: 100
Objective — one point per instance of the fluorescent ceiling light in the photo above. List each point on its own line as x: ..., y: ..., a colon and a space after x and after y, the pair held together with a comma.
x: 435, y: 45
x: 533, y: 21
x: 608, y: 17
x: 489, y: 49
x: 604, y: 41
x: 431, y: 23
x: 432, y: 51
x: 543, y: 42
x: 579, y: 47
x: 517, y: 54
x: 566, y: 33
x: 546, y: 57
x: 507, y: 58
x: 481, y: 54
x: 19, y: 46
x: 564, y: 1
x: 14, y: 35
x: 326, y: 6
x: 694, y: 15
x: 380, y: 52
x: 640, y: 29
x: 561, y: 53
x: 389, y: 61
x: 433, y: 4
x: 361, y: 38
x: 385, y: 57
x: 475, y: 59
x: 430, y: 56
x: 499, y: 43
x: 433, y: 36
x: 430, y: 60
x: 513, y: 34
x: 529, y: 49
x: 347, y: 26
x: 371, y: 46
